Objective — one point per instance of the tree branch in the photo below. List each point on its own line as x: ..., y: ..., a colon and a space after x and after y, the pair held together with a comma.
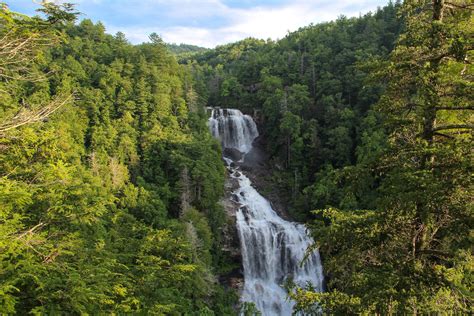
x: 30, y: 231
x: 459, y: 6
x: 30, y: 116
x: 454, y: 108
x: 455, y: 126
x: 443, y: 135
x: 434, y: 252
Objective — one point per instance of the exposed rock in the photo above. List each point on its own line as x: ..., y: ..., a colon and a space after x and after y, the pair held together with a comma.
x: 237, y: 282
x: 245, y: 211
x: 233, y: 154
x: 235, y: 198
x: 256, y: 167
x: 231, y: 185
x: 231, y: 244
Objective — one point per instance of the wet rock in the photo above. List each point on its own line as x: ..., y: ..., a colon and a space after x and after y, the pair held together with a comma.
x: 237, y: 283
x: 246, y: 168
x: 245, y: 212
x: 256, y: 157
x: 231, y: 185
x: 235, y: 197
x: 233, y: 154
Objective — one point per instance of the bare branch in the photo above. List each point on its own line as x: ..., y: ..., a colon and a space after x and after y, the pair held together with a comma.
x: 434, y: 252
x: 19, y: 51
x: 30, y: 116
x: 30, y: 231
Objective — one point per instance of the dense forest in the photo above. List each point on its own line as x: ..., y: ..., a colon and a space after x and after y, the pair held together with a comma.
x: 312, y: 95
x: 110, y: 181
x: 109, y: 204
x: 368, y: 122
x: 185, y: 49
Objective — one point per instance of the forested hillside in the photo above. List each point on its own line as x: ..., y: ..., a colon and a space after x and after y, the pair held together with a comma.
x: 313, y: 96
x: 185, y: 49
x: 368, y: 122
x: 110, y: 182
x: 109, y: 179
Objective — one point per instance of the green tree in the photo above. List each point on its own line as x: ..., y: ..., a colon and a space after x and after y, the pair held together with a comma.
x: 412, y: 253
x: 90, y: 183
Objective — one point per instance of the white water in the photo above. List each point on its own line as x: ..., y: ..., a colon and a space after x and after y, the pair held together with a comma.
x: 233, y: 129
x: 272, y: 248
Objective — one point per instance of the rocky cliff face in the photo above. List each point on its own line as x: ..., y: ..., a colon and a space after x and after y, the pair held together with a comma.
x: 256, y: 165
x: 231, y: 243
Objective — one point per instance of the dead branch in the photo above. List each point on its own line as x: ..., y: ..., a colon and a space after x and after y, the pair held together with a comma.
x: 19, y: 51
x: 25, y: 116
x: 30, y: 231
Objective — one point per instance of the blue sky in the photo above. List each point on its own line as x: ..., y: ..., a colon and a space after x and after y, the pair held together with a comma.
x: 209, y: 22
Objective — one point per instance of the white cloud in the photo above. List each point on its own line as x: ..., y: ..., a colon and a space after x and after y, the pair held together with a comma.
x: 261, y: 22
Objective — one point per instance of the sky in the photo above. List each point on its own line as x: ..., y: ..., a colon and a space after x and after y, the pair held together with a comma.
x: 208, y: 23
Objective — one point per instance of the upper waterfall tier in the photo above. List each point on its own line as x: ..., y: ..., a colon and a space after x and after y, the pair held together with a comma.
x: 233, y: 129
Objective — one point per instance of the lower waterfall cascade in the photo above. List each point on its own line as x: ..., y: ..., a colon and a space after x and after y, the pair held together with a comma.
x: 272, y: 248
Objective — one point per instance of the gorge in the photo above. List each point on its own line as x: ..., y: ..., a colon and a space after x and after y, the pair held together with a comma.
x: 120, y: 194
x: 273, y: 249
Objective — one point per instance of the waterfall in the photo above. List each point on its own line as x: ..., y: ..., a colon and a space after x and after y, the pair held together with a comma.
x: 233, y: 129
x: 272, y: 248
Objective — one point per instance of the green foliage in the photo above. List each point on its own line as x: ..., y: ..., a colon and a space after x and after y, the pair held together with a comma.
x: 368, y: 119
x: 412, y: 253
x: 110, y: 181
x: 185, y: 50
x: 249, y: 309
x: 331, y: 303
x: 109, y: 202
x: 311, y: 93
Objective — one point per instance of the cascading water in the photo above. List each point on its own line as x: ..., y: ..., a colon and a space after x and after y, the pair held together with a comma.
x: 233, y: 129
x: 272, y: 248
